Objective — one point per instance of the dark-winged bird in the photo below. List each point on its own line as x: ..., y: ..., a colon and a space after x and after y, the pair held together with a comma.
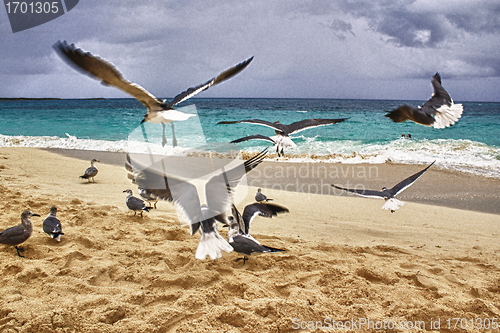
x: 19, y: 233
x: 158, y: 110
x: 52, y: 225
x: 282, y: 140
x: 91, y: 171
x: 439, y: 111
x: 239, y: 228
x: 135, y: 204
x: 201, y: 217
x: 388, y: 194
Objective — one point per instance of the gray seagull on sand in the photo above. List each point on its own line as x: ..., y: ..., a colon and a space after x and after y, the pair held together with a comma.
x: 259, y: 196
x: 239, y: 228
x: 389, y: 194
x: 158, y: 110
x: 91, y: 171
x: 439, y: 111
x: 136, y: 204
x: 52, y: 225
x: 185, y: 196
x: 20, y: 233
x: 282, y: 140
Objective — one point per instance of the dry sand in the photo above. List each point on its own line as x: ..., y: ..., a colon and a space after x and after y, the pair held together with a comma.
x: 346, y: 259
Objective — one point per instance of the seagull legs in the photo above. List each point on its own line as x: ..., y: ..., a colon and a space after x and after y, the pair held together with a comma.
x: 174, y: 144
x: 163, y: 139
x: 19, y: 250
x: 245, y: 258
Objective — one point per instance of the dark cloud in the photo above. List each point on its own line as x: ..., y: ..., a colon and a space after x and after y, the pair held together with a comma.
x: 340, y: 28
x: 409, y: 23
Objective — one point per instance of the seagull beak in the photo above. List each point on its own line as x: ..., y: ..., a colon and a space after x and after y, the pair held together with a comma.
x: 34, y: 214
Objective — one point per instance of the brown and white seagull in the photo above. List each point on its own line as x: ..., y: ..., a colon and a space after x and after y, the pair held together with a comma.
x: 439, y: 111
x: 158, y: 110
x: 282, y: 140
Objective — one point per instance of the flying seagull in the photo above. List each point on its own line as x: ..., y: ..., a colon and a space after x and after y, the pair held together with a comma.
x: 239, y: 228
x: 159, y: 111
x: 201, y: 217
x: 388, y: 194
x: 259, y: 196
x: 282, y: 140
x: 91, y: 171
x: 52, y: 225
x: 439, y: 111
x: 19, y: 233
x: 135, y: 204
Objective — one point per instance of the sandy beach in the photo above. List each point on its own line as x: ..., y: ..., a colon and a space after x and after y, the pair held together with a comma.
x: 347, y: 261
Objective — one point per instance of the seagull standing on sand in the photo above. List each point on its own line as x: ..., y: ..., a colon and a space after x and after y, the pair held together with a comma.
x: 91, y: 171
x: 136, y: 204
x: 52, y: 225
x: 389, y: 194
x: 282, y: 140
x: 201, y: 217
x: 20, y: 233
x: 439, y: 111
x: 239, y: 229
x: 259, y: 196
x: 158, y: 110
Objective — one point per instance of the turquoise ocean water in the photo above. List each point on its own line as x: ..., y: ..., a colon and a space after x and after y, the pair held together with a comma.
x: 472, y: 145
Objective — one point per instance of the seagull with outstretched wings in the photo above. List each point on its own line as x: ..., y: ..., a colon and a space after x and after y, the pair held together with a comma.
x: 184, y: 195
x: 159, y: 111
x: 388, y: 194
x: 439, y: 111
x: 282, y: 140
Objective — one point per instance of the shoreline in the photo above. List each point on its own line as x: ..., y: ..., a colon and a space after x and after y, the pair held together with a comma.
x: 437, y: 187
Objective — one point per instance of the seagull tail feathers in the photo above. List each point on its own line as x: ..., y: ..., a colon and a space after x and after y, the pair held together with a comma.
x: 212, y: 244
x: 392, y: 204
x: 447, y: 115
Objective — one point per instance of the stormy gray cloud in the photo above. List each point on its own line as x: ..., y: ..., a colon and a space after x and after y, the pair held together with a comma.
x: 312, y: 49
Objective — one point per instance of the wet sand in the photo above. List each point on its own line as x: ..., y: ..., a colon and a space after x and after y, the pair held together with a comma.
x: 346, y: 259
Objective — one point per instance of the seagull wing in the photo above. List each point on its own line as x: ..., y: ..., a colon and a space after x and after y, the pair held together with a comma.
x: 279, y: 127
x: 106, y: 72
x: 408, y: 112
x: 51, y: 225
x: 404, y: 184
x: 439, y: 98
x: 135, y: 203
x: 220, y: 187
x: 254, y: 137
x: 247, y: 245
x: 364, y: 193
x: 308, y: 123
x: 261, y: 209
x: 227, y: 74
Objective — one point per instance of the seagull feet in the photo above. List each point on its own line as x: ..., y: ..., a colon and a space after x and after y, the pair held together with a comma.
x: 19, y: 250
x: 244, y: 259
x: 163, y: 142
x: 174, y: 143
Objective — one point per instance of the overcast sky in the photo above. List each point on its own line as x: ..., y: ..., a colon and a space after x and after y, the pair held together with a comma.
x: 373, y: 49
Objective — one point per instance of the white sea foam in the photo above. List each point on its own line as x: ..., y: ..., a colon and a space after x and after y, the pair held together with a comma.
x: 459, y: 155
